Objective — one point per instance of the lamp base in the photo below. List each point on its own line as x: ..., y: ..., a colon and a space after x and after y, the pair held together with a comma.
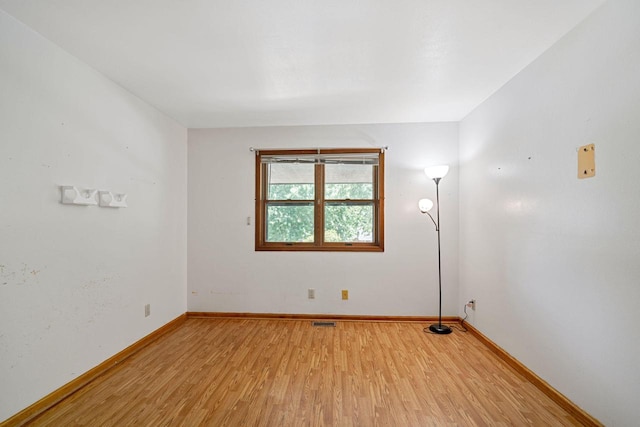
x: 440, y: 329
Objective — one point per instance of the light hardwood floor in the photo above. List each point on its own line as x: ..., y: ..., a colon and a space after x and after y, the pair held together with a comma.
x: 240, y: 372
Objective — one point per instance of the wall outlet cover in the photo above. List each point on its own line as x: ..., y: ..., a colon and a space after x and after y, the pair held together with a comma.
x: 587, y: 161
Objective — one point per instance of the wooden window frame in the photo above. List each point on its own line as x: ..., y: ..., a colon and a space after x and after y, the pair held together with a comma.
x: 261, y: 202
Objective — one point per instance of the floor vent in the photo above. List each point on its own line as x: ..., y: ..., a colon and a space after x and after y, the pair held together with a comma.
x: 329, y: 324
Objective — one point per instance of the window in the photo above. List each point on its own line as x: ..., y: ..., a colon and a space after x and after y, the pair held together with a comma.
x: 320, y: 200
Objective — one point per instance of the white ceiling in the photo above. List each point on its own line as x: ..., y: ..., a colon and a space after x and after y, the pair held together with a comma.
x: 221, y: 63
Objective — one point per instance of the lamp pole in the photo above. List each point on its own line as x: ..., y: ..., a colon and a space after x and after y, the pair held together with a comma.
x: 436, y: 173
x: 439, y: 328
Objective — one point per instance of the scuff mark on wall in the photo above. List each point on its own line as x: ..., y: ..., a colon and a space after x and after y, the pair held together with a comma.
x: 99, y: 296
x: 2, y: 276
x: 24, y: 275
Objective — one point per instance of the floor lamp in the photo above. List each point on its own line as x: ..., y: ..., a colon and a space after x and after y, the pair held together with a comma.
x: 436, y: 173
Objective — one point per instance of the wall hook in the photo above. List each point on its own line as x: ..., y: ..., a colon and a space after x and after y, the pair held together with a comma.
x: 112, y: 200
x: 73, y: 196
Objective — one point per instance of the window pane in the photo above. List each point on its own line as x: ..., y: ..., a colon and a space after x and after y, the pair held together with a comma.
x: 348, y: 223
x: 290, y: 181
x: 290, y: 223
x: 346, y: 181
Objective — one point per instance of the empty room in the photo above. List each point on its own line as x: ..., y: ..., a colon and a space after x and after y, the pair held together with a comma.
x: 319, y: 213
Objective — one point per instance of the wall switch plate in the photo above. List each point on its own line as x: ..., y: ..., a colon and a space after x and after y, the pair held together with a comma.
x: 345, y: 294
x: 147, y: 310
x: 586, y: 161
x: 311, y: 293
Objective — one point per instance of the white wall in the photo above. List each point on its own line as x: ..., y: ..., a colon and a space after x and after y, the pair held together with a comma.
x: 227, y: 275
x: 74, y: 280
x: 554, y: 261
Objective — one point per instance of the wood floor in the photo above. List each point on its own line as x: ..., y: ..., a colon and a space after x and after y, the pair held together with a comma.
x: 239, y: 372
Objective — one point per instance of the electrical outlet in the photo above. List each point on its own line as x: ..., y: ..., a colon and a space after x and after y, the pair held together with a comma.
x: 147, y: 310
x: 345, y: 294
x: 472, y: 304
x: 311, y: 293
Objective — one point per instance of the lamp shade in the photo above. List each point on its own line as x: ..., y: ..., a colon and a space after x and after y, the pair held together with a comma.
x: 435, y: 172
x: 425, y: 205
